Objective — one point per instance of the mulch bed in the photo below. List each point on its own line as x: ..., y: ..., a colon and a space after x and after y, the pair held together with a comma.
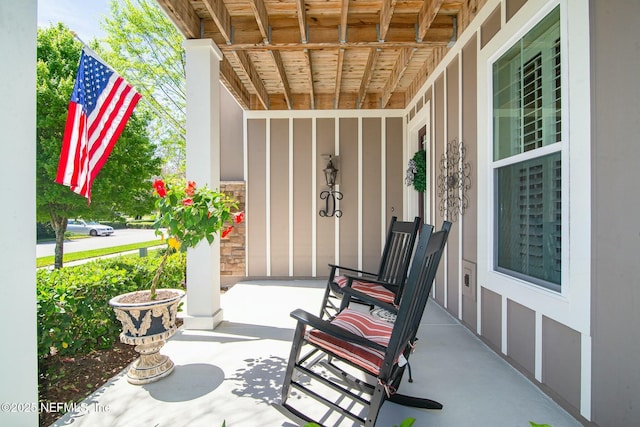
x: 72, y: 379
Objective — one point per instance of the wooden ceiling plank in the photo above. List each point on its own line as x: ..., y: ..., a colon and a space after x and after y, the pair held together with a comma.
x: 386, y: 13
x: 302, y: 21
x: 366, y: 77
x: 183, y: 15
x: 339, y: 77
x: 427, y: 14
x: 262, y: 18
x: 254, y: 77
x: 221, y: 17
x: 396, y: 74
x: 277, y: 58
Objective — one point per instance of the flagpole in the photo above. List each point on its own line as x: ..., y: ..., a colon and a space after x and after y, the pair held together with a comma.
x: 181, y: 131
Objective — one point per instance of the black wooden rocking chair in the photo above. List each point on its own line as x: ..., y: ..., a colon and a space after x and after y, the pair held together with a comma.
x: 356, y: 360
x: 393, y: 268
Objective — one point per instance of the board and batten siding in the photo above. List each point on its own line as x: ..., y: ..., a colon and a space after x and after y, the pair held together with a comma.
x: 286, y: 156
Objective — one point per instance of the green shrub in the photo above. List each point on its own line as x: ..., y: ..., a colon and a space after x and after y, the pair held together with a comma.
x: 74, y: 316
x: 147, y: 225
x: 117, y: 225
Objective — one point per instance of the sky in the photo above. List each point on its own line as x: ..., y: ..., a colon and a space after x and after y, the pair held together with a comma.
x: 82, y: 16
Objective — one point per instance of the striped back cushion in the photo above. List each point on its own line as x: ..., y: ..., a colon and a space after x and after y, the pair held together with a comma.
x: 378, y: 292
x: 364, y: 325
x: 340, y: 281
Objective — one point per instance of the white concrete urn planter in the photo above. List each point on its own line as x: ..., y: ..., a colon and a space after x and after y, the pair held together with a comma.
x: 147, y: 325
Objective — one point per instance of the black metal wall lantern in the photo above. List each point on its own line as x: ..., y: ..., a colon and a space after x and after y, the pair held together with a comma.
x: 330, y: 196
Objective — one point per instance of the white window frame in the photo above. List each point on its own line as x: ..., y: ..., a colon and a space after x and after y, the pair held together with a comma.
x: 570, y: 306
x: 537, y: 153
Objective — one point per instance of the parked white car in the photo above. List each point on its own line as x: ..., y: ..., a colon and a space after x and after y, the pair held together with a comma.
x: 88, y: 227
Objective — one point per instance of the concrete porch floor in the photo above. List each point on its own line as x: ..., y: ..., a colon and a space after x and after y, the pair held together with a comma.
x: 234, y: 373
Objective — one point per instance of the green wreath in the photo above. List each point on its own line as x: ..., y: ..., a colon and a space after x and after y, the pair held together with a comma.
x: 417, y: 171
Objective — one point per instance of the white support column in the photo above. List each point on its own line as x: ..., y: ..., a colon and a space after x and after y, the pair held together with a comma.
x: 18, y: 363
x: 203, y: 166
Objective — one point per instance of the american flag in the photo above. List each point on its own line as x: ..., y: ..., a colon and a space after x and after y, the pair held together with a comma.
x: 100, y: 105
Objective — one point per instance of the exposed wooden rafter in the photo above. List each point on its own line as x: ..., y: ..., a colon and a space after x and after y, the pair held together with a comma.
x: 253, y: 76
x: 366, y: 77
x: 385, y: 17
x: 344, y: 15
x: 262, y: 18
x: 183, y: 16
x: 309, y: 69
x: 339, y: 77
x: 287, y: 32
x: 221, y: 17
x: 233, y: 84
x: 302, y: 21
x: 426, y: 16
x: 277, y: 58
x: 396, y: 74
x: 335, y: 45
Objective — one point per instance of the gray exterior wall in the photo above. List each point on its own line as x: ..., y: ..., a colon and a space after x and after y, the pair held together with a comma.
x: 615, y: 315
x: 231, y: 147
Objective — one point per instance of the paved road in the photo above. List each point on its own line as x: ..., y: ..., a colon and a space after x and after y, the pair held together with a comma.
x: 119, y: 237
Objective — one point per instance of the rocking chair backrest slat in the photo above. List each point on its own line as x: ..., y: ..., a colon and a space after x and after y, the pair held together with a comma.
x: 416, y: 293
x: 398, y: 250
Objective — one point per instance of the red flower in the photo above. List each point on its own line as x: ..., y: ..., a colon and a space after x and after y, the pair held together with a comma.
x: 187, y: 202
x: 238, y: 217
x: 191, y: 188
x: 226, y: 232
x: 158, y: 184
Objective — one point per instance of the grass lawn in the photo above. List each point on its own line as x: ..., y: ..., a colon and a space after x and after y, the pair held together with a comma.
x: 75, y: 256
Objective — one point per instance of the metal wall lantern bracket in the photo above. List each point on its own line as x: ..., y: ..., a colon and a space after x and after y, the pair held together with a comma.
x: 330, y: 196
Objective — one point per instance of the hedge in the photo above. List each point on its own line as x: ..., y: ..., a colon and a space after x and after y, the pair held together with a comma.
x: 74, y: 316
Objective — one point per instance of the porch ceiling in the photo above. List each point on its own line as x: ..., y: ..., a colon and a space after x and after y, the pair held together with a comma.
x: 324, y: 54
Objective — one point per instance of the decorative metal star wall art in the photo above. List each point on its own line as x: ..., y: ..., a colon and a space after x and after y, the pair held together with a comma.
x: 454, y: 181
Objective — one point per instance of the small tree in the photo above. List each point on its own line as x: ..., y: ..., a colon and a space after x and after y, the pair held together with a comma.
x: 146, y: 48
x: 123, y: 183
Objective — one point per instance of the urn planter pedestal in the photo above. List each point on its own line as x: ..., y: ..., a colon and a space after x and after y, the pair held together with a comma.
x: 147, y: 325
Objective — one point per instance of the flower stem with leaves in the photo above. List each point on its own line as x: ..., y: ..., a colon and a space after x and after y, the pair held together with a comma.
x: 189, y: 214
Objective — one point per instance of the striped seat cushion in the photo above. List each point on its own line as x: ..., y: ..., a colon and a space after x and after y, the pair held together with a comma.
x: 364, y: 325
x: 378, y: 292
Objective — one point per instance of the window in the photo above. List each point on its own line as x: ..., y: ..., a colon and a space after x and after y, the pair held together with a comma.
x: 527, y: 137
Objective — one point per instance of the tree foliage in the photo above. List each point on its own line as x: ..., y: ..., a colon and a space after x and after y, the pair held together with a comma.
x: 124, y: 183
x: 146, y: 48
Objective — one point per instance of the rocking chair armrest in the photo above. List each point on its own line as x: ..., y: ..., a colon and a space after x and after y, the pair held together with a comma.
x: 333, y: 330
x: 350, y: 293
x: 334, y: 267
